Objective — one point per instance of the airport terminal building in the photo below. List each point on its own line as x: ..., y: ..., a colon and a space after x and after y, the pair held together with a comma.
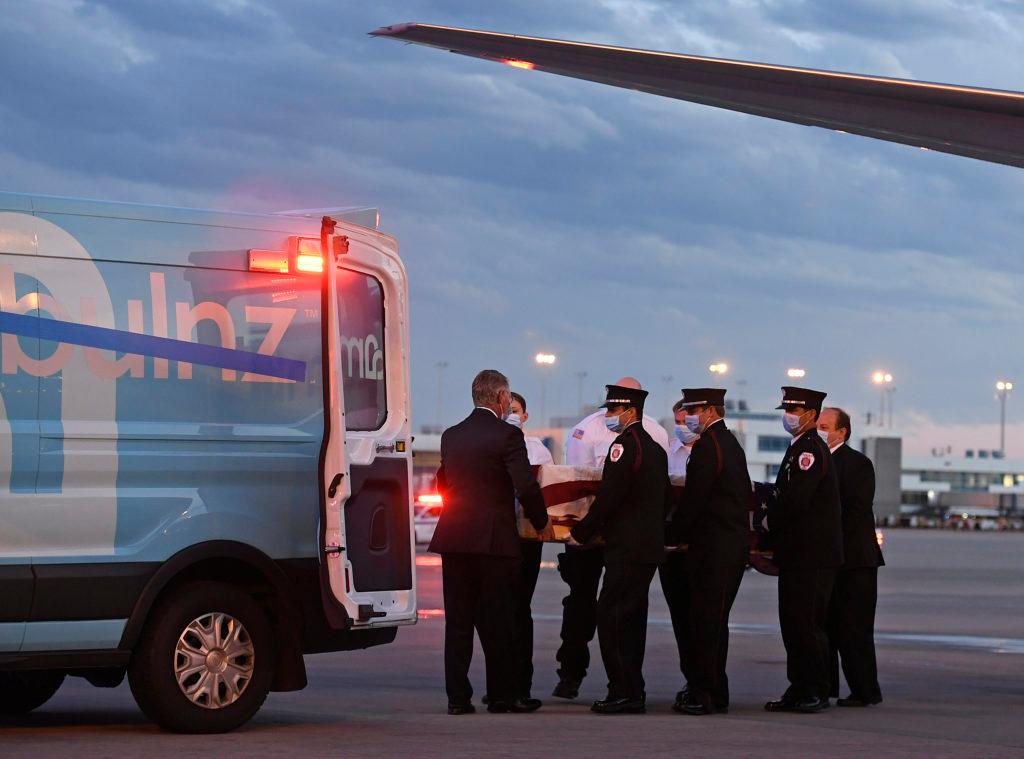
x: 978, y: 487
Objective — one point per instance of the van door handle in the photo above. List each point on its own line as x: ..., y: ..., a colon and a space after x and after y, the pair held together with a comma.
x: 333, y: 489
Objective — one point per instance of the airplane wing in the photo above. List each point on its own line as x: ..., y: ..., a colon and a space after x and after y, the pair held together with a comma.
x: 967, y: 121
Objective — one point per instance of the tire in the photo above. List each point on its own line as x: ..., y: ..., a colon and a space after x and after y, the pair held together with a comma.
x: 222, y: 683
x: 23, y: 691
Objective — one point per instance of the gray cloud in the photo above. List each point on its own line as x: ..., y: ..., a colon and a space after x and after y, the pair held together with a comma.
x: 627, y: 233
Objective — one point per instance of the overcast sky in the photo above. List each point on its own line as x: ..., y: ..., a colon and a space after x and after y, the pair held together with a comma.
x: 627, y: 234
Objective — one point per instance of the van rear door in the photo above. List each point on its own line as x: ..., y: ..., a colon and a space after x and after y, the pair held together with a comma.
x: 366, y: 546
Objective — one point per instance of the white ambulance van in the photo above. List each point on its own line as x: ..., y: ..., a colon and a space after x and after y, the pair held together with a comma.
x: 204, y: 451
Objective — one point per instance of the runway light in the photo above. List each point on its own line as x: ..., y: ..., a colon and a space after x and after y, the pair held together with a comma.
x: 795, y: 373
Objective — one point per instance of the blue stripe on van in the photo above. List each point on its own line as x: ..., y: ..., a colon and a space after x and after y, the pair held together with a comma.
x: 148, y: 345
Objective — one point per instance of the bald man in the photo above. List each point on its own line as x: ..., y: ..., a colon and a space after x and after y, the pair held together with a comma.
x: 581, y: 568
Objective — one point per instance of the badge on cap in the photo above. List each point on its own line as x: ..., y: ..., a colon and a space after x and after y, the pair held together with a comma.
x: 806, y: 461
x: 616, y: 452
x: 577, y: 433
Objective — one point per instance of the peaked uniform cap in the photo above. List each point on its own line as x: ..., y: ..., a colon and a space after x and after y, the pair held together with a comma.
x: 701, y: 396
x: 624, y: 396
x: 801, y: 396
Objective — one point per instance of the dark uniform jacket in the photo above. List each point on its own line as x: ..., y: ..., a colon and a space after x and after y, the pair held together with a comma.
x: 713, y: 515
x: 629, y: 511
x: 483, y: 468
x: 856, y: 475
x: 805, y: 518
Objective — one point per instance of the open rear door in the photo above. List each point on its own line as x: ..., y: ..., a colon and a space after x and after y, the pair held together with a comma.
x: 366, y: 576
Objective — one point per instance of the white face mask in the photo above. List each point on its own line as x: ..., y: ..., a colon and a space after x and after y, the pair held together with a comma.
x: 514, y: 420
x: 824, y: 436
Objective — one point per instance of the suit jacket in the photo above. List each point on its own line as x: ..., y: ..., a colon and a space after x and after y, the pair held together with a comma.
x: 484, y: 467
x: 805, y: 519
x: 856, y: 475
x: 632, y: 500
x: 713, y: 515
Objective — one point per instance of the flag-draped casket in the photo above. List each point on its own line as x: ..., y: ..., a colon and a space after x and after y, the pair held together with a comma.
x: 569, y: 490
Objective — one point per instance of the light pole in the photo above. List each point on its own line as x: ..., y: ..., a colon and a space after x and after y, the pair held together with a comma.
x: 1003, y: 389
x: 719, y: 369
x: 580, y: 376
x: 796, y: 373
x: 544, y: 360
x: 440, y: 366
x: 884, y: 382
x: 666, y: 380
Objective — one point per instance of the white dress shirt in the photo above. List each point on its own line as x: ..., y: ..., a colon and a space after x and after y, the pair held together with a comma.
x: 590, y: 439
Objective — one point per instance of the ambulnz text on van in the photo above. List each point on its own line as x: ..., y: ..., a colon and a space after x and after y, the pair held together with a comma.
x: 204, y: 451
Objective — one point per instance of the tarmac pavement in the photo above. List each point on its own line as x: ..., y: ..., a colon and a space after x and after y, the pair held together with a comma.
x: 951, y: 663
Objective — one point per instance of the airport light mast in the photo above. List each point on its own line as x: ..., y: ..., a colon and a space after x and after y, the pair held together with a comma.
x: 1003, y: 389
x: 545, y: 361
x: 884, y: 382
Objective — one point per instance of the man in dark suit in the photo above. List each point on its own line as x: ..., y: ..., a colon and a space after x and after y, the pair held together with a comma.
x: 808, y: 535
x: 484, y: 467
x: 629, y: 513
x: 713, y: 517
x: 851, y: 613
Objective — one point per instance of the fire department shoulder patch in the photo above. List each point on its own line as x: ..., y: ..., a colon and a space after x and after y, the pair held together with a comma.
x: 577, y: 433
x: 616, y: 452
x: 806, y: 461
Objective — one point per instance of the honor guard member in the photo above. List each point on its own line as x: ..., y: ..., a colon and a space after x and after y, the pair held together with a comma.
x: 851, y: 612
x: 529, y: 570
x: 714, y: 518
x: 581, y: 568
x: 629, y: 514
x: 672, y: 573
x: 805, y: 522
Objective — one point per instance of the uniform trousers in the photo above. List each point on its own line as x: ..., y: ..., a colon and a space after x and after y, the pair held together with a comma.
x: 622, y: 626
x: 851, y: 632
x: 803, y: 608
x: 675, y: 585
x: 529, y: 569
x: 712, y: 592
x: 479, y: 592
x: 581, y: 569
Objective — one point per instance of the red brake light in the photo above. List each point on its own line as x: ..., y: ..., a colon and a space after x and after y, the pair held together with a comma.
x: 429, y: 499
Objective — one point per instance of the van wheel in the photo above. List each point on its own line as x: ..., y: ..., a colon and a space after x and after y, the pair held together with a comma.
x: 205, y: 662
x: 21, y: 692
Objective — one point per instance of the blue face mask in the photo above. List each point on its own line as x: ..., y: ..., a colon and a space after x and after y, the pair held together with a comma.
x: 791, y: 422
x: 613, y: 423
x: 684, y: 435
x: 692, y: 422
x: 514, y: 420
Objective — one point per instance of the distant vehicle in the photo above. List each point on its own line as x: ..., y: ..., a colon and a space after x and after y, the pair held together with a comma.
x: 204, y: 468
x: 426, y: 512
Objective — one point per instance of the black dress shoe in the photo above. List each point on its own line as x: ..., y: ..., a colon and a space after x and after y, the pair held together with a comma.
x: 515, y: 706
x: 784, y: 704
x: 681, y: 695
x: 852, y: 700
x: 694, y: 707
x: 466, y: 708
x: 619, y: 706
x: 567, y: 687
x: 812, y: 705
